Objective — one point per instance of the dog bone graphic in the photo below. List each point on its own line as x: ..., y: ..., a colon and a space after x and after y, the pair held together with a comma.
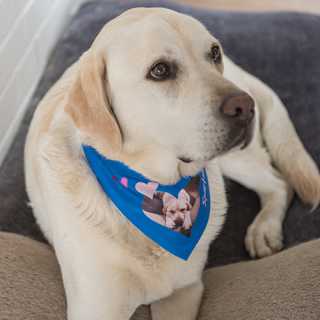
x: 147, y: 189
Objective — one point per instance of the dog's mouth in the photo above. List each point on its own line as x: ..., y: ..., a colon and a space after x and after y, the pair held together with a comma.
x: 241, y: 140
x: 244, y: 138
x: 189, y: 161
x: 185, y: 160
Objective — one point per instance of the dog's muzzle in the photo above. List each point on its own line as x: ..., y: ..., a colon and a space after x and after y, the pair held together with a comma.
x: 238, y: 112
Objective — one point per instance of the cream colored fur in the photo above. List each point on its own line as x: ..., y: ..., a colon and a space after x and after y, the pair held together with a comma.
x: 109, y: 268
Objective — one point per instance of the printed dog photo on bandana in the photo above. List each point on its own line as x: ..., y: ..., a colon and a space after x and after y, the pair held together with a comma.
x: 177, y: 213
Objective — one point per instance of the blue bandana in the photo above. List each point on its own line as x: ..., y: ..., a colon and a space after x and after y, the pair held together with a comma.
x: 173, y: 216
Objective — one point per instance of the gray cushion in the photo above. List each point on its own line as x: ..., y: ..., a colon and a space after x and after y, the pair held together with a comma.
x: 281, y: 48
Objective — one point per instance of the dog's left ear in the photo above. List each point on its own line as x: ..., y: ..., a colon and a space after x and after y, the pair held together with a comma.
x: 89, y: 106
x: 167, y: 197
x: 184, y: 195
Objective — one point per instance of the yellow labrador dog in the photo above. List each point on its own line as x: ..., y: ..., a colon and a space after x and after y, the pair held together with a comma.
x: 155, y: 92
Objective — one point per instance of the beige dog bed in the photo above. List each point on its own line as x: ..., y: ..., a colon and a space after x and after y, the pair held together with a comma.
x: 284, y: 286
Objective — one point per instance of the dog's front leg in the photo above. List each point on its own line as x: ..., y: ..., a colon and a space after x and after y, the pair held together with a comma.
x: 252, y: 169
x: 183, y: 304
x: 97, y: 287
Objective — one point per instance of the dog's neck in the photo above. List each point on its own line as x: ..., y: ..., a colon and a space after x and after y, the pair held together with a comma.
x: 151, y: 160
x: 154, y: 163
x: 158, y: 164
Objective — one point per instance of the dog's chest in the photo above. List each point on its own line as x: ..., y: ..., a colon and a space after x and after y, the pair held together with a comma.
x: 173, y: 273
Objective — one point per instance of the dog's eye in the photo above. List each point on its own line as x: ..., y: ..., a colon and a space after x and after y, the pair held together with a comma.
x: 160, y: 71
x: 216, y: 54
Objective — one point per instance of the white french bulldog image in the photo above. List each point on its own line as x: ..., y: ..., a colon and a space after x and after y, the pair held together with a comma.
x: 177, y: 211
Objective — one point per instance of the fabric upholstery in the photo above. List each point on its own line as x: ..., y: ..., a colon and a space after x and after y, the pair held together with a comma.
x: 283, y: 49
x: 284, y: 286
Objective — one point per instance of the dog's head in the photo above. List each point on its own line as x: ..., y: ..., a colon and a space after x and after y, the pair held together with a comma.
x: 154, y: 77
x: 177, y: 210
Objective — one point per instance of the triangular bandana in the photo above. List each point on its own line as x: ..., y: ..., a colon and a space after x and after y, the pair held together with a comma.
x: 173, y: 216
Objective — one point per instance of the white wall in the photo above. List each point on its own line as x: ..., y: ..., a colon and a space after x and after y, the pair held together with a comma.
x: 28, y: 31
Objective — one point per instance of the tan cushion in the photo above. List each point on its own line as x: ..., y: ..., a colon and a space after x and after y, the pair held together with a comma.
x: 30, y: 281
x: 284, y: 286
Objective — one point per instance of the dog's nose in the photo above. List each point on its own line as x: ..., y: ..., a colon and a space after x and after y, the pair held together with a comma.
x: 178, y: 222
x: 239, y: 107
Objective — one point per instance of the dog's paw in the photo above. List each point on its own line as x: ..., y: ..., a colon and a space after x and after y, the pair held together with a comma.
x: 264, y: 237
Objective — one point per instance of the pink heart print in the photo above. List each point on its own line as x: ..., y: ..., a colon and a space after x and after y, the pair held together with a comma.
x: 147, y: 189
x: 124, y: 182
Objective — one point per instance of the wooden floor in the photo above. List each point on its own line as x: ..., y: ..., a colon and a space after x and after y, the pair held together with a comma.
x: 312, y: 6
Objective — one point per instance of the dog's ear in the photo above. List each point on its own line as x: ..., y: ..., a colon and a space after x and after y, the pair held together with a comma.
x: 167, y: 197
x: 89, y: 107
x: 184, y: 195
